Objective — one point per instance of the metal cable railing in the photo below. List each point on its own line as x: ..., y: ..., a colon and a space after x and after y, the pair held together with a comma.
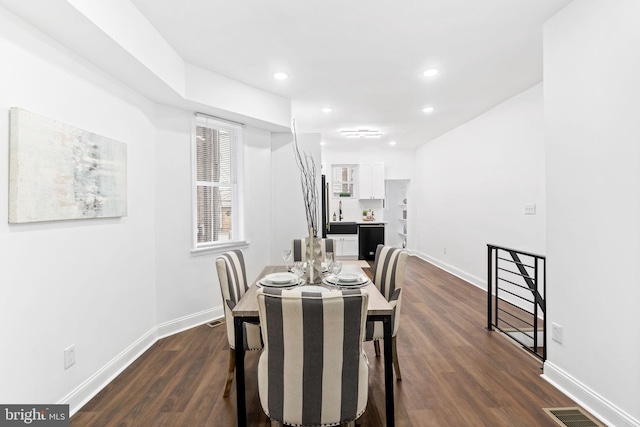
x: 516, y: 289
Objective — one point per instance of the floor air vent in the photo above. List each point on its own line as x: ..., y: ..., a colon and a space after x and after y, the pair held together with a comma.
x: 572, y: 417
x: 215, y: 323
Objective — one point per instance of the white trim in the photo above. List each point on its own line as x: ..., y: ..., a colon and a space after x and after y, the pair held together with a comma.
x: 237, y: 185
x: 218, y: 248
x: 86, y: 391
x: 565, y: 383
x: 220, y: 119
x: 190, y: 321
x: 475, y: 281
x: 600, y: 407
x: 82, y: 394
x: 471, y: 279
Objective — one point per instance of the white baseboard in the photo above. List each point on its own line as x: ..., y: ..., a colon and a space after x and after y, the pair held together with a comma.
x: 581, y: 394
x: 470, y: 278
x: 99, y: 380
x: 600, y: 407
x: 187, y: 322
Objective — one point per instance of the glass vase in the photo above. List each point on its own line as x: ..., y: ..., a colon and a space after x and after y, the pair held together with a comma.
x: 314, y: 258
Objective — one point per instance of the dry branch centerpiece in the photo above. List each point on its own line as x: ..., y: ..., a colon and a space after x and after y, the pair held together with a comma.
x: 307, y: 167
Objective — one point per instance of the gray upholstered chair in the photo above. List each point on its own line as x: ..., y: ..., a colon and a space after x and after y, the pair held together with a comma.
x: 233, y: 283
x: 313, y: 371
x: 299, y: 253
x: 388, y: 277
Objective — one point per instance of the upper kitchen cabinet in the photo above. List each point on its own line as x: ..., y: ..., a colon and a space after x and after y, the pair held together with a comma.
x: 343, y: 180
x: 371, y: 180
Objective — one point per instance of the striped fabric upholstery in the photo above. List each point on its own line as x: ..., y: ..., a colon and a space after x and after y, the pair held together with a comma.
x: 233, y: 283
x: 388, y: 276
x: 299, y: 252
x: 313, y: 371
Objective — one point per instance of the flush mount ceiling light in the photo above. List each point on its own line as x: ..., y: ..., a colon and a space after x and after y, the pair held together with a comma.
x: 280, y: 75
x: 392, y: 143
x: 428, y: 109
x: 361, y: 133
x: 323, y: 143
x: 327, y: 109
x: 431, y: 72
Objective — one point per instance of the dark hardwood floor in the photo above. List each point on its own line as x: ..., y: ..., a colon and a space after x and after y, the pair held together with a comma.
x: 455, y: 372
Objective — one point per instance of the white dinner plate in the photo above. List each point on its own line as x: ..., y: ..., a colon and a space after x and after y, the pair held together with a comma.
x: 358, y: 283
x: 268, y: 284
x: 280, y: 278
x: 348, y: 277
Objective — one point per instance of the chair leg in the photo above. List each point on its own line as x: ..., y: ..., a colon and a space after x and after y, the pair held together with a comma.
x: 230, y: 372
x: 376, y: 347
x: 396, y: 365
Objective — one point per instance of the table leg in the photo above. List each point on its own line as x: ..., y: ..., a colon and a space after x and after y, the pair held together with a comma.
x: 388, y: 371
x: 241, y: 403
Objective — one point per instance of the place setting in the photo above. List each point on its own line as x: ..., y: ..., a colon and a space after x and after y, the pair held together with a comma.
x: 343, y: 279
x: 281, y: 280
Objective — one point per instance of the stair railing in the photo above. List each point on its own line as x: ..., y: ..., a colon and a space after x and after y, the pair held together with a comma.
x: 516, y: 290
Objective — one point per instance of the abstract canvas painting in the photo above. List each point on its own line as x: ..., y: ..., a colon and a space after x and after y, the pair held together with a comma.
x: 60, y: 172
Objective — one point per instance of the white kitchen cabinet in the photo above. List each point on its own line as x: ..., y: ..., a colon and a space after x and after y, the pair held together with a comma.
x: 345, y: 245
x: 371, y: 180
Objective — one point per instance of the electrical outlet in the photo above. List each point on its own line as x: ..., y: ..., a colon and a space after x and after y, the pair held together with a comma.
x: 556, y: 332
x: 530, y: 209
x: 69, y: 356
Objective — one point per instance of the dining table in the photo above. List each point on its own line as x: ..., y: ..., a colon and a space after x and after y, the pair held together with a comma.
x: 378, y: 309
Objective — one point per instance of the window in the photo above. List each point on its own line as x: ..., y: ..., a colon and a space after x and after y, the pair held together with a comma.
x: 218, y: 166
x: 343, y: 180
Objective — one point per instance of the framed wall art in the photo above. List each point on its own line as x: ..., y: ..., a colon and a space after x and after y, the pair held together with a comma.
x: 60, y: 172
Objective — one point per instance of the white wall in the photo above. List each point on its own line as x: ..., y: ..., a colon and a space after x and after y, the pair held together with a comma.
x: 472, y: 184
x: 87, y: 282
x: 593, y: 185
x: 109, y: 286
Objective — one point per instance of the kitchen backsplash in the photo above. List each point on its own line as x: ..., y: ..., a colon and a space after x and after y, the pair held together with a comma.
x: 352, y: 208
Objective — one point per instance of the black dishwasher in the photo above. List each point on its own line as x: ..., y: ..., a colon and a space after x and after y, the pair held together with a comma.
x: 369, y: 237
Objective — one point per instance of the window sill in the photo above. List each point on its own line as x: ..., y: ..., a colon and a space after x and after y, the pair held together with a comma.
x: 218, y: 248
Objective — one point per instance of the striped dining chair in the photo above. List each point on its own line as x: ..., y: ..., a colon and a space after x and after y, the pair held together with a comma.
x: 313, y: 371
x: 299, y: 252
x: 233, y: 283
x: 388, y: 277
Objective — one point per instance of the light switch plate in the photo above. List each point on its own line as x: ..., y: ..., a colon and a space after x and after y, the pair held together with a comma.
x: 530, y: 209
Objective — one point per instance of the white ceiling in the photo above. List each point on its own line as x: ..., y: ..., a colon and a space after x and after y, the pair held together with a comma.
x: 365, y: 58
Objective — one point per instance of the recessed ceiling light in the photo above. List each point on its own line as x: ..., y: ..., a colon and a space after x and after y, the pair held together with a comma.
x: 280, y: 76
x: 392, y: 143
x: 327, y: 109
x: 323, y: 143
x: 428, y: 109
x: 431, y: 72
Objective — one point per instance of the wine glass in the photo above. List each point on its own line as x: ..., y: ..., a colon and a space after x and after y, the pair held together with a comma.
x: 298, y: 269
x: 328, y: 260
x: 286, y: 256
x: 336, y: 268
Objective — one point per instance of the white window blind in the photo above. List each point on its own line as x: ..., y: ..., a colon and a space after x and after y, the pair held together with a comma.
x: 218, y: 149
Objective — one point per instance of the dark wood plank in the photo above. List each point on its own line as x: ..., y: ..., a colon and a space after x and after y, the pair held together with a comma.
x: 455, y: 372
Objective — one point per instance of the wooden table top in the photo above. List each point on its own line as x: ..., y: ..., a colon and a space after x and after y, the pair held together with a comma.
x: 248, y: 304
